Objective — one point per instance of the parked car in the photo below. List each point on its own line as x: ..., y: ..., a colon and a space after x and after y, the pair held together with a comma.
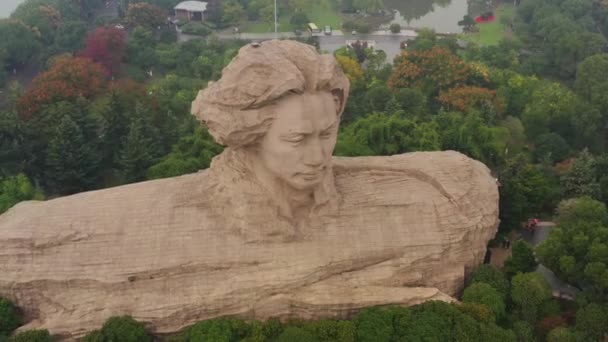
x: 327, y: 30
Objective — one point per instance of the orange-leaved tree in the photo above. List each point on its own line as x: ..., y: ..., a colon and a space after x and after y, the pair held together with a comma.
x: 67, y: 79
x: 466, y: 97
x: 429, y: 70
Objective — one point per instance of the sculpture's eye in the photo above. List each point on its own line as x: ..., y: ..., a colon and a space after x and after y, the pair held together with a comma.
x: 327, y: 134
x: 295, y: 138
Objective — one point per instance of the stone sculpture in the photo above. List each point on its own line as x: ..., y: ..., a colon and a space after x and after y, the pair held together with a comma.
x: 276, y: 227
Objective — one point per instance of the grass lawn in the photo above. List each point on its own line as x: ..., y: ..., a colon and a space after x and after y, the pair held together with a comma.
x: 491, y: 33
x: 321, y: 13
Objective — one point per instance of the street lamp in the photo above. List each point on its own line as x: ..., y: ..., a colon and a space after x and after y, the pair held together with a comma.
x: 275, y: 19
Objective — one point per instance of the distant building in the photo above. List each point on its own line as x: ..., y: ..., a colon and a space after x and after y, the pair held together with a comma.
x: 191, y: 10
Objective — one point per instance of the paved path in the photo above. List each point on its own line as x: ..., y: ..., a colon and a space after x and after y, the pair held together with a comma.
x: 540, y: 234
x: 383, y: 40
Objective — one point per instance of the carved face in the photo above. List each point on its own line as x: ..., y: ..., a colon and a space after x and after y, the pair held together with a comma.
x: 298, y: 146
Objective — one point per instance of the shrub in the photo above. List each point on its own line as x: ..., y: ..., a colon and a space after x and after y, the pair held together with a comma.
x: 32, y: 336
x: 9, y: 317
x: 360, y: 27
x: 395, y: 28
x: 196, y: 29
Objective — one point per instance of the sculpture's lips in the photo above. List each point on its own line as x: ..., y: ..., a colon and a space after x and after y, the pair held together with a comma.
x: 310, y: 175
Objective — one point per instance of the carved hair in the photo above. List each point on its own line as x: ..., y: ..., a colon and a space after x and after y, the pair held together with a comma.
x: 260, y: 75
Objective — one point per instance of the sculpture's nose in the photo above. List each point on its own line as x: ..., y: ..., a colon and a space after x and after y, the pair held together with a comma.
x: 314, y: 155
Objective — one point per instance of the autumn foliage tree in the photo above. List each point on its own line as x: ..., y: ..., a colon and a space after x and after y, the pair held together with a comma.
x: 466, y: 98
x: 429, y: 70
x: 106, y: 46
x: 68, y: 79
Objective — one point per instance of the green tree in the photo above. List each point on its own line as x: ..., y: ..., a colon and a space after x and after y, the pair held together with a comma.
x: 577, y: 250
x: 561, y: 334
x: 16, y: 189
x: 233, y: 12
x: 374, y: 325
x: 295, y: 334
x: 71, y: 162
x: 522, y: 194
x: 581, y: 179
x: 467, y: 22
x: 139, y: 150
x: 379, y: 134
x: 524, y: 331
x: 19, y: 42
x: 592, y: 321
x: 12, y: 140
x: 412, y: 101
x: 120, y: 328
x: 591, y: 83
x: 490, y: 275
x: 395, y: 28
x: 190, y: 154
x: 482, y: 293
x: 330, y: 330
x: 522, y: 259
x: 70, y: 36
x: 528, y: 292
x: 145, y: 15
x: 221, y: 330
x: 378, y: 97
x: 9, y: 317
x: 141, y: 48
x: 551, y: 146
x: 299, y: 20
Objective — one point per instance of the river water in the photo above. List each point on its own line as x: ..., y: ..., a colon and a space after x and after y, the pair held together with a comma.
x: 8, y: 6
x: 441, y: 15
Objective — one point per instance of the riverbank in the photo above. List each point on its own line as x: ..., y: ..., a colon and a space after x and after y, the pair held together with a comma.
x: 492, y: 33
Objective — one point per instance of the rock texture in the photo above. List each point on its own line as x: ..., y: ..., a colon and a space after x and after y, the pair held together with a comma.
x: 407, y: 229
x: 276, y: 227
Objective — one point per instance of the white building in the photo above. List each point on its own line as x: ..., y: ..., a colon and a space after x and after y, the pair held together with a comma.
x: 191, y: 10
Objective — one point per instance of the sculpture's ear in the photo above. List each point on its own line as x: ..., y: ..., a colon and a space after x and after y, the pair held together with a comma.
x: 338, y: 95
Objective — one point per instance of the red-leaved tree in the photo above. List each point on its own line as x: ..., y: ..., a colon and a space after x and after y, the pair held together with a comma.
x: 67, y: 79
x: 106, y: 46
